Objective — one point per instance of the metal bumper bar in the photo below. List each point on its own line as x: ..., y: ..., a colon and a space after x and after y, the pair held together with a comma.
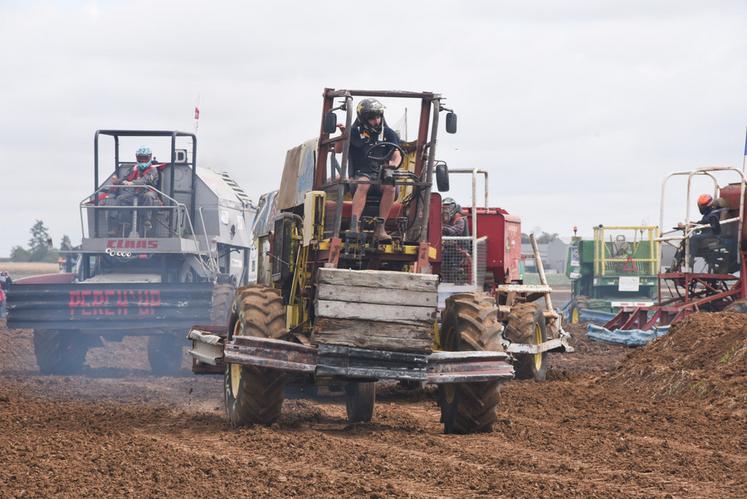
x: 349, y: 362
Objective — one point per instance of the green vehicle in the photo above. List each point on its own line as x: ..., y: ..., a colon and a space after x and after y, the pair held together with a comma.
x: 616, y: 269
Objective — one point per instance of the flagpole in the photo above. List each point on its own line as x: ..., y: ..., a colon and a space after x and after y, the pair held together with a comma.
x: 197, y: 114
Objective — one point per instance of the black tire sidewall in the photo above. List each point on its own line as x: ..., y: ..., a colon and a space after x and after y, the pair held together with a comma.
x: 524, y: 365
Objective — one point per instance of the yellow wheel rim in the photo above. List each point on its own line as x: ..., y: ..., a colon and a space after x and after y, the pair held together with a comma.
x: 574, y: 316
x: 235, y: 379
x: 537, y: 341
x: 235, y: 371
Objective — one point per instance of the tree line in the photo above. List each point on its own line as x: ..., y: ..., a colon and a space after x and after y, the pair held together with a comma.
x: 40, y: 246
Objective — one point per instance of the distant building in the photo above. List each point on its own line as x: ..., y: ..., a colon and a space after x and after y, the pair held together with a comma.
x: 553, y: 256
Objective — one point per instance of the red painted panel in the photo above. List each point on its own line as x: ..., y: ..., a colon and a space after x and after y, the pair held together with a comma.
x: 59, y: 278
x: 503, y: 232
x: 434, y: 225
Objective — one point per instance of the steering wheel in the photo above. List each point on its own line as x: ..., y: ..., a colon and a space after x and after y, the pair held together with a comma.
x: 383, y: 157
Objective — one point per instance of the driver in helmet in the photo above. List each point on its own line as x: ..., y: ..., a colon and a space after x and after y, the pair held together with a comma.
x: 369, y: 129
x: 702, y: 241
x: 144, y: 173
x: 452, y: 221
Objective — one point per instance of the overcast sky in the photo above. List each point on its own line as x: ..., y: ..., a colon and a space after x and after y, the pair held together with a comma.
x: 577, y: 108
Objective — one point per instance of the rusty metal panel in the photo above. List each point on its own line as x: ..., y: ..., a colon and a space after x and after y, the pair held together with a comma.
x: 546, y: 346
x: 108, y: 307
x: 350, y: 362
x: 270, y: 353
x: 298, y: 175
x: 468, y: 367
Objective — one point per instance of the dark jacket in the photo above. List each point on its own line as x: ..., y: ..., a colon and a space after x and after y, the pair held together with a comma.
x: 456, y: 227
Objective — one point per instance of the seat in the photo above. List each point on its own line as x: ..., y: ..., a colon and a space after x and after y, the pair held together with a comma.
x: 371, y: 210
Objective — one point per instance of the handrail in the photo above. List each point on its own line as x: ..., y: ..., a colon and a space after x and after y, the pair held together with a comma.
x: 214, y: 264
x: 176, y: 206
x: 706, y: 171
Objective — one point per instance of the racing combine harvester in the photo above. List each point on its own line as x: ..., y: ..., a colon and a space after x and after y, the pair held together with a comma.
x: 342, y: 307
x: 720, y: 283
x: 142, y: 270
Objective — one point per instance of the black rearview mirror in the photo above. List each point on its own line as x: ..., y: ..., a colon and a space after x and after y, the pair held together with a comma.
x: 442, y: 176
x: 330, y: 122
x: 451, y: 122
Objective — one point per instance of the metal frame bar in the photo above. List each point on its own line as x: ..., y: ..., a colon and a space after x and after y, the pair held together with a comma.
x: 474, y: 172
x: 600, y: 248
x: 689, y: 227
x: 428, y: 100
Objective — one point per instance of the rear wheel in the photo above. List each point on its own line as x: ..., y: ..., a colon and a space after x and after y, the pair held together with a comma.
x: 60, y: 352
x: 360, y: 400
x: 165, y: 353
x: 469, y: 323
x: 254, y: 395
x: 526, y: 324
x: 223, y: 295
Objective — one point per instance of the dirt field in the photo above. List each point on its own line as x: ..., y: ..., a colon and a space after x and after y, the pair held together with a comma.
x: 17, y: 270
x: 666, y: 420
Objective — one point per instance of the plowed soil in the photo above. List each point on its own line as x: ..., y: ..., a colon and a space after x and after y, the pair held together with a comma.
x: 609, y: 422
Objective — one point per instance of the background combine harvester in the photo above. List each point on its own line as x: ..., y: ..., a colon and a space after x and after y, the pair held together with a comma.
x: 337, y: 307
x: 133, y: 278
x: 719, y: 283
x: 616, y: 269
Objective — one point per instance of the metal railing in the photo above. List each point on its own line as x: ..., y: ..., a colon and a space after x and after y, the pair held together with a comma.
x: 463, y: 260
x: 458, y: 250
x: 180, y: 223
x: 178, y: 220
x: 688, y: 227
x: 636, y: 257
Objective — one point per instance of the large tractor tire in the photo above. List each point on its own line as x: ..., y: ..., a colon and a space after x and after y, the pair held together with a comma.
x: 223, y: 295
x: 60, y: 352
x: 526, y: 324
x: 360, y: 400
x: 254, y: 395
x: 165, y: 353
x: 469, y: 323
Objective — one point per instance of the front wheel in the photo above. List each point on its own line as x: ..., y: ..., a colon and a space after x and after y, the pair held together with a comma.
x: 60, y: 352
x: 526, y: 324
x: 360, y: 401
x: 254, y: 395
x: 469, y: 323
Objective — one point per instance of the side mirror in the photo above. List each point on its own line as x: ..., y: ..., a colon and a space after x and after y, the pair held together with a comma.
x: 451, y: 122
x: 442, y: 176
x: 330, y: 122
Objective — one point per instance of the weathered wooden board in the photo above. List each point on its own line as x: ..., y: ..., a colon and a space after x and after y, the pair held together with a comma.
x: 384, y: 279
x: 374, y: 335
x: 374, y: 311
x: 382, y: 296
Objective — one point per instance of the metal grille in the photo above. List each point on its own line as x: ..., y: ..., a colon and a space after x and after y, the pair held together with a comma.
x: 626, y: 251
x: 463, y: 261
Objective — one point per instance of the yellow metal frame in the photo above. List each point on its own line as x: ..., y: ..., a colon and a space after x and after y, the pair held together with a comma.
x: 600, y: 247
x: 308, y: 236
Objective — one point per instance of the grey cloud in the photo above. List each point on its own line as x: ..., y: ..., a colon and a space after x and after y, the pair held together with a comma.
x: 578, y: 108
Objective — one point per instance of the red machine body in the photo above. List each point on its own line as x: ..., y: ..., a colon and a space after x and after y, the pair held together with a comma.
x: 503, y: 238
